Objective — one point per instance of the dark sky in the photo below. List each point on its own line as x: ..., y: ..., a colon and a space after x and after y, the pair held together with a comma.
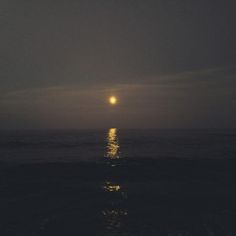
x: 172, y: 64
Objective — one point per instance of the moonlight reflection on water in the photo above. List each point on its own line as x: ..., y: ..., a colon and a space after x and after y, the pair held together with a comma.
x: 113, y: 148
x: 114, y: 213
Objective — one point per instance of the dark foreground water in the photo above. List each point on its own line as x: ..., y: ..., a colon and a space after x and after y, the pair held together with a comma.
x: 118, y: 182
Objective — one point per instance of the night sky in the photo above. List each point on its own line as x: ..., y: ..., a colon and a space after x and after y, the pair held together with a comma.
x: 171, y: 64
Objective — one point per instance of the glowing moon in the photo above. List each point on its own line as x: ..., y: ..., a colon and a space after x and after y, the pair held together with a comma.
x: 112, y: 100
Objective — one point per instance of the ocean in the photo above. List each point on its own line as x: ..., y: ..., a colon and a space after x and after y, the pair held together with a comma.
x: 91, y: 145
x: 118, y: 182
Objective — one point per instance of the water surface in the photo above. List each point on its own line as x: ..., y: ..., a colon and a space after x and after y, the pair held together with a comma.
x: 118, y: 182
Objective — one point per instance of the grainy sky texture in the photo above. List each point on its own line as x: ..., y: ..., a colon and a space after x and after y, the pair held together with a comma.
x: 172, y: 64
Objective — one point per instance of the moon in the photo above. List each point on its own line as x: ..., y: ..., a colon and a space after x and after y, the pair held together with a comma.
x: 113, y: 100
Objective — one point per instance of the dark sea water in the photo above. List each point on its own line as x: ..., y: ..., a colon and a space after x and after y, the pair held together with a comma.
x: 118, y: 182
x: 91, y: 145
